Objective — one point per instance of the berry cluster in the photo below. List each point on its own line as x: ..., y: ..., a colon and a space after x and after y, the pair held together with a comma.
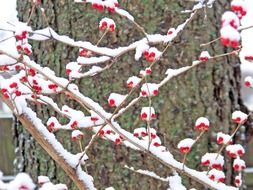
x: 230, y: 21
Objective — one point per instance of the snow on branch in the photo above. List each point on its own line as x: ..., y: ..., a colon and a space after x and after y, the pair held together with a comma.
x: 148, y: 173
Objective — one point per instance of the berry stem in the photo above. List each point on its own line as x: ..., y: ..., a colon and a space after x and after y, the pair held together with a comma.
x: 32, y: 11
x: 99, y: 41
x: 93, y: 139
x: 80, y: 145
x: 208, y: 43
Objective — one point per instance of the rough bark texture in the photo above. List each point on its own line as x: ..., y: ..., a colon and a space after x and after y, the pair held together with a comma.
x: 210, y: 90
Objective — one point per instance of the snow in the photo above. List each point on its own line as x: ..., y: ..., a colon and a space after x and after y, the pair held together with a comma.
x: 175, y: 183
x: 21, y: 180
x: 43, y: 179
x: 148, y: 173
x: 51, y: 186
x: 41, y: 35
x: 124, y: 13
x: 92, y: 60
x: 109, y: 188
x: 140, y: 49
x: 228, y: 32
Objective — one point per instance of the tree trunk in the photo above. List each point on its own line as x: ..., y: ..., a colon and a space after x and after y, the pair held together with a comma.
x: 210, y: 90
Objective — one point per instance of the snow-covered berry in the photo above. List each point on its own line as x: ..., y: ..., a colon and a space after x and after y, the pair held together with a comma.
x: 239, y: 7
x: 229, y: 36
x: 148, y: 71
x: 152, y: 54
x: 105, y: 131
x: 116, y: 99
x: 238, y: 181
x: 202, y: 123
x: 149, y: 89
x: 213, y: 160
x: 21, y: 35
x: 235, y: 150
x: 118, y: 139
x: 83, y: 52
x: 94, y: 116
x: 216, y: 175
x: 52, y: 123
x: 204, y: 56
x: 107, y: 24
x: 239, y: 164
x: 248, y: 81
x: 77, y: 135
x: 98, y: 6
x: 148, y: 113
x: 239, y: 117
x: 153, y: 133
x: 156, y: 142
x: 22, y: 182
x: 230, y: 19
x: 223, y: 138
x: 248, y: 58
x: 133, y: 81
x: 140, y: 132
x: 171, y: 31
x: 185, y: 145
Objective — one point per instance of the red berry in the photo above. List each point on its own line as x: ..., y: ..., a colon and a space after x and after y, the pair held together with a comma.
x: 247, y: 83
x: 144, y: 116
x: 18, y: 93
x: 111, y: 102
x: 68, y: 71
x: 73, y: 125
x: 155, y: 92
x: 32, y: 72
x: 13, y: 85
x: 220, y: 140
x: 94, y: 119
x: 117, y: 141
x: 156, y: 144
